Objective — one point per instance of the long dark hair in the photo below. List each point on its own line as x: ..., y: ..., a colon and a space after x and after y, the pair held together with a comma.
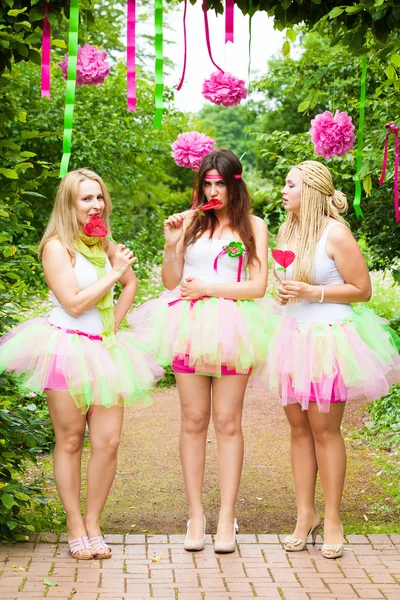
x: 228, y: 165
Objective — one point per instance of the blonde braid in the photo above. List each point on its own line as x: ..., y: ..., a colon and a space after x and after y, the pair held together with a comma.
x: 318, y: 202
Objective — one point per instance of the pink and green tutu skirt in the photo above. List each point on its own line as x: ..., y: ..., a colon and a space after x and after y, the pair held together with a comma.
x: 324, y: 362
x: 208, y: 336
x: 49, y: 357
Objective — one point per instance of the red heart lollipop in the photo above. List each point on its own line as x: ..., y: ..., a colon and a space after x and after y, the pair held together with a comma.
x: 95, y: 227
x: 210, y: 205
x: 284, y: 258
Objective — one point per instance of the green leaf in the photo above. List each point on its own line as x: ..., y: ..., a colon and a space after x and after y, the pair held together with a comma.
x: 303, y: 106
x: 14, y: 12
x: 58, y: 43
x: 9, y: 173
x: 354, y: 9
x: 8, y: 500
x: 49, y: 582
x: 391, y: 72
x: 396, y: 275
x: 3, y: 213
x: 378, y: 3
x: 367, y: 185
x: 27, y: 154
x: 395, y: 59
x: 24, y: 165
x: 336, y: 12
x: 286, y: 48
x: 291, y: 35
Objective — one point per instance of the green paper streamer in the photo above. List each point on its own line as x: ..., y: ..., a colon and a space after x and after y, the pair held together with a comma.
x: 71, y: 85
x: 360, y: 138
x: 159, y: 70
x: 248, y: 78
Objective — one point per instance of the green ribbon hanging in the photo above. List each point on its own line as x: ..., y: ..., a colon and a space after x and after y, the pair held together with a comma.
x: 360, y: 138
x: 159, y: 69
x: 71, y: 85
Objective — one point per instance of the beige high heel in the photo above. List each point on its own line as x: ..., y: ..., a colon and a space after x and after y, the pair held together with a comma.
x: 292, y: 544
x: 227, y: 547
x: 194, y: 545
x: 333, y: 550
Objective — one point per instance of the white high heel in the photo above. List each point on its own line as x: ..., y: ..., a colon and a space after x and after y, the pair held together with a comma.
x: 292, y: 544
x: 194, y: 545
x: 227, y: 547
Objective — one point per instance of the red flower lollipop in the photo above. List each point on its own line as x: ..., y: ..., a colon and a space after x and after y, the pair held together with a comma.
x: 210, y: 205
x: 284, y: 258
x: 95, y: 227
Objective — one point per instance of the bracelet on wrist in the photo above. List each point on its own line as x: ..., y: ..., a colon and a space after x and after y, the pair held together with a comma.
x: 169, y: 260
x: 322, y: 294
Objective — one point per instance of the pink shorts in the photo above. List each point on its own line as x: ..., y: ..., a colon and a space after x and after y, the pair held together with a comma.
x: 179, y: 366
x: 56, y: 380
x: 335, y: 395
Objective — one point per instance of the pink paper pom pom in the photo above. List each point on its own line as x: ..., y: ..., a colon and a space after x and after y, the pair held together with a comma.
x: 190, y: 148
x: 91, y: 68
x: 224, y: 88
x: 332, y: 135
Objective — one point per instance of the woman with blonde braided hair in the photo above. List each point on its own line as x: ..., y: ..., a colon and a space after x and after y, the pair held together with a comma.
x: 326, y: 351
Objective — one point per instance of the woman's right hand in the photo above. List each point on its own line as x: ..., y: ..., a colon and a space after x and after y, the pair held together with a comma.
x: 173, y: 227
x: 123, y: 259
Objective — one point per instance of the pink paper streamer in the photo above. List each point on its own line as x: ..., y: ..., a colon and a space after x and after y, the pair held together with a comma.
x: 395, y: 130
x: 45, y: 91
x: 131, y: 55
x: 229, y: 12
x: 185, y: 48
x: 207, y: 31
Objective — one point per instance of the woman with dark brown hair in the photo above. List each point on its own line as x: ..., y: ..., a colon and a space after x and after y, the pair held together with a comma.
x: 207, y: 327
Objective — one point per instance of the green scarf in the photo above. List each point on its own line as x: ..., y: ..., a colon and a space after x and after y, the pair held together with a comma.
x: 92, y: 249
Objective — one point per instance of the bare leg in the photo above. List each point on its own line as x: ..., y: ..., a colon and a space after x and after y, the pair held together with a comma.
x: 105, y: 426
x: 331, y: 457
x: 69, y: 427
x: 304, y: 468
x: 227, y: 407
x: 195, y: 398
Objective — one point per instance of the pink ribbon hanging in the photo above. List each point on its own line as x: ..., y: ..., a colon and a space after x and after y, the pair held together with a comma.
x: 229, y: 12
x: 240, y: 265
x: 45, y: 90
x: 207, y: 31
x: 185, y: 48
x: 395, y: 130
x: 131, y: 55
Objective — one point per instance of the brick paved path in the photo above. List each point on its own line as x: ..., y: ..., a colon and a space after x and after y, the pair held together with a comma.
x: 157, y: 567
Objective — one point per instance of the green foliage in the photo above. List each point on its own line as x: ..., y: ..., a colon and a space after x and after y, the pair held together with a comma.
x: 24, y: 433
x: 21, y: 28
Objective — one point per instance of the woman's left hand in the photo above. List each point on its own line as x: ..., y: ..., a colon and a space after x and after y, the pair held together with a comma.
x: 296, y: 289
x: 193, y: 288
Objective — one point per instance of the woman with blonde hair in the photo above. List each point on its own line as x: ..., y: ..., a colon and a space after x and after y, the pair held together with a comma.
x: 87, y: 369
x: 326, y: 352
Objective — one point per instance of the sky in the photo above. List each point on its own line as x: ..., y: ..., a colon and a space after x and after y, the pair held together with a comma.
x: 233, y: 58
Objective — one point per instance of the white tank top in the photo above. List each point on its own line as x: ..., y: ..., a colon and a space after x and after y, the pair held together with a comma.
x: 326, y: 273
x: 200, y: 258
x: 89, y: 321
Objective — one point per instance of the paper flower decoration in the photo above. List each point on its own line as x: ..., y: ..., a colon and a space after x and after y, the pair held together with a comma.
x: 224, y: 88
x: 91, y: 68
x: 234, y: 249
x: 190, y: 148
x: 95, y: 227
x: 332, y: 135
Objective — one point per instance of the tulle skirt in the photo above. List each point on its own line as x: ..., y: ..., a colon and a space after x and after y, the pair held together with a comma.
x: 331, y: 361
x: 52, y: 358
x: 209, y: 336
